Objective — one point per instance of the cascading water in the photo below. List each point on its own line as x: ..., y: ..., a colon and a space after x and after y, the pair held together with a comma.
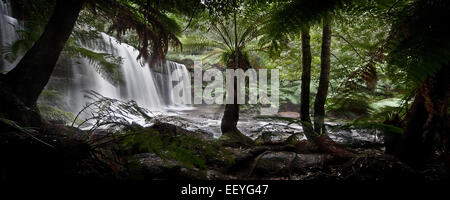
x: 8, y: 32
x: 151, y: 89
x: 165, y: 76
x: 141, y: 83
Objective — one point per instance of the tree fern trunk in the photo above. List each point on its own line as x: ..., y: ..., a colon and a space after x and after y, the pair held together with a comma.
x: 427, y: 120
x: 322, y: 90
x: 231, y: 136
x: 306, y: 76
x: 231, y: 114
x: 29, y: 77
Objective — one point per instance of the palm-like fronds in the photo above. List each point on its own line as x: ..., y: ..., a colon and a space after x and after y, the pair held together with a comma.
x: 197, y: 43
x: 25, y: 41
x: 155, y: 29
x: 224, y: 37
x: 293, y: 16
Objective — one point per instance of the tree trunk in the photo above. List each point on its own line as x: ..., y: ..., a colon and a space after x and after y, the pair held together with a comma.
x: 324, y: 143
x: 426, y: 120
x: 29, y: 77
x: 322, y: 90
x: 231, y: 114
x: 306, y: 76
x: 231, y: 136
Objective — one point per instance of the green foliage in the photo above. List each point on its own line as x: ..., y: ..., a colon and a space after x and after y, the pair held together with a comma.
x: 290, y: 92
x: 49, y: 97
x: 421, y: 44
x: 105, y: 64
x: 350, y: 105
x: 293, y: 16
x: 149, y: 20
x: 54, y: 114
x: 27, y: 37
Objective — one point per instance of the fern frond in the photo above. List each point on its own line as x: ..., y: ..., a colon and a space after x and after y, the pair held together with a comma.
x: 107, y: 65
x: 198, y: 43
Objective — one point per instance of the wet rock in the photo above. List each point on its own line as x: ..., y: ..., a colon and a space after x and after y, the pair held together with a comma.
x: 267, y: 137
x: 155, y: 167
x: 236, y: 139
x: 178, y: 129
x: 293, y: 115
x: 287, y: 164
x: 302, y: 162
x: 356, y: 138
x: 273, y: 164
x: 153, y: 164
x: 216, y: 175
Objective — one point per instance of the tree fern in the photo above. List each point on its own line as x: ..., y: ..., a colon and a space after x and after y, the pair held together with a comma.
x: 107, y: 65
x: 420, y: 42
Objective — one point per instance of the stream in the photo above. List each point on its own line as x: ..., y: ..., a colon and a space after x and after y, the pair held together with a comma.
x: 207, y: 118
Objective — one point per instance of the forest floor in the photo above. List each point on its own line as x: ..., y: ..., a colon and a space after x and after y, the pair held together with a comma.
x: 168, y: 151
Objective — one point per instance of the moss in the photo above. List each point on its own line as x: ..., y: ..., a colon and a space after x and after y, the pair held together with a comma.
x: 134, y: 169
x: 55, y: 114
x: 188, y: 150
x: 236, y: 139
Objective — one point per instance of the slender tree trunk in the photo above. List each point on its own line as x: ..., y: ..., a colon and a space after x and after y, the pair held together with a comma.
x: 306, y: 76
x: 324, y: 143
x: 426, y: 120
x: 29, y: 77
x: 322, y: 90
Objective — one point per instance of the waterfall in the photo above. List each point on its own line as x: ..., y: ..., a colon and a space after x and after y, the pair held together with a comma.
x: 150, y: 88
x: 8, y: 33
x: 165, y: 76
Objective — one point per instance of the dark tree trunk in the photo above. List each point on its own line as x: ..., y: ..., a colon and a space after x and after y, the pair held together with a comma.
x: 306, y: 76
x: 324, y: 143
x: 231, y: 136
x: 231, y: 114
x: 426, y: 120
x: 29, y: 77
x: 322, y: 90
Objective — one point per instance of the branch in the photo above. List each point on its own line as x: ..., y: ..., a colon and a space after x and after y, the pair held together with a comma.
x: 351, y: 45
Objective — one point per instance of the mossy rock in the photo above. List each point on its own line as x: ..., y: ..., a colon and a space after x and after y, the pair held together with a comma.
x: 55, y: 115
x: 236, y: 139
x: 189, y: 149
